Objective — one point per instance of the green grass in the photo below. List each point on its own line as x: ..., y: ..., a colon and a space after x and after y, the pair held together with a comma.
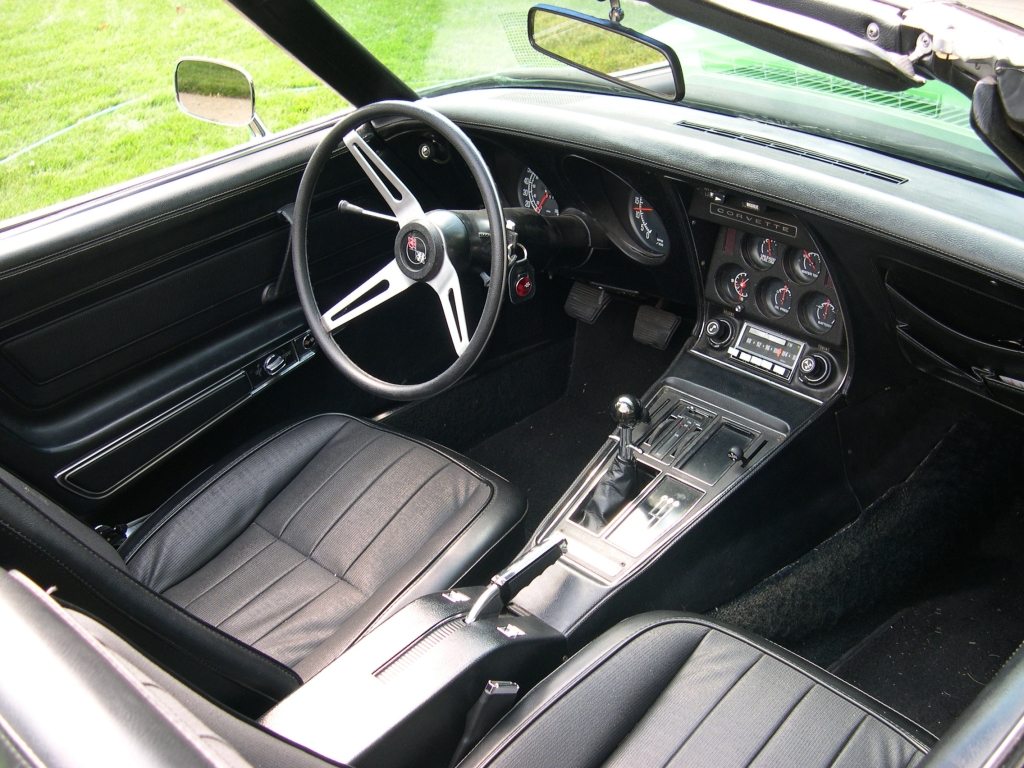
x: 86, y: 91
x: 66, y: 62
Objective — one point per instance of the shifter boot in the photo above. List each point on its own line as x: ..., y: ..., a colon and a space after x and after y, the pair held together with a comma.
x: 616, y: 489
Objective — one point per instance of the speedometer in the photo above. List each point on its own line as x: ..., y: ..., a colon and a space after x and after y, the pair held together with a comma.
x: 534, y: 193
x: 647, y: 224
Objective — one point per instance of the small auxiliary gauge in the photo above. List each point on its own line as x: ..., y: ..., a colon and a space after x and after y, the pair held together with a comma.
x: 818, y: 313
x: 733, y: 283
x: 803, y: 265
x: 761, y: 252
x: 776, y: 297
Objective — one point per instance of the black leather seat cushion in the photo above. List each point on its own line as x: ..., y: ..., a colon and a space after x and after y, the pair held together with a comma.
x: 677, y: 690
x: 316, y: 532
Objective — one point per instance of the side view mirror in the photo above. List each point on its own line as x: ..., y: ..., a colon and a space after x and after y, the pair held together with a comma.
x: 608, y: 50
x: 218, y: 93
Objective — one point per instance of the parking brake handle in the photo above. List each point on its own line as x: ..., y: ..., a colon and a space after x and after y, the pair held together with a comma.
x: 510, y: 582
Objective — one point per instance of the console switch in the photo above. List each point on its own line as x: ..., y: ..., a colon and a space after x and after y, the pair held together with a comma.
x: 815, y: 369
x: 720, y: 332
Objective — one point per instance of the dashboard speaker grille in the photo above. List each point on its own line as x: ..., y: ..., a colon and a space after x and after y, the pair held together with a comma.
x: 795, y: 150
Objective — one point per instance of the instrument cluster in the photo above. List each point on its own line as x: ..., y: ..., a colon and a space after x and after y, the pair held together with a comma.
x: 643, y: 229
x: 787, y: 285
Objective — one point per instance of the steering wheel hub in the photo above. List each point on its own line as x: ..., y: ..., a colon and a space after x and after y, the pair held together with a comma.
x: 420, y: 250
x: 429, y: 248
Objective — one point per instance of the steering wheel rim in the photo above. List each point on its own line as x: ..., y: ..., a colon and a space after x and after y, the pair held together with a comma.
x: 345, y: 131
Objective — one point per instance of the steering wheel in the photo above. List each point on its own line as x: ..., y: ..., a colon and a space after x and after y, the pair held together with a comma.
x: 429, y: 248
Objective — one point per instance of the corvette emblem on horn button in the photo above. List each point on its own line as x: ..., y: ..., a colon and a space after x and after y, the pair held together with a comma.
x: 415, y: 249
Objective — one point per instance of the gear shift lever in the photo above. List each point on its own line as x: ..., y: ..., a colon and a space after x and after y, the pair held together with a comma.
x: 627, y: 411
x: 619, y: 484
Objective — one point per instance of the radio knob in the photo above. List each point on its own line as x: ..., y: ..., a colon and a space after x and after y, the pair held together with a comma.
x: 815, y: 369
x: 719, y: 331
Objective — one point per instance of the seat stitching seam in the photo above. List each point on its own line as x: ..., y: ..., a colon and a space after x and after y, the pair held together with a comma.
x: 583, y: 674
x: 371, y: 484
x: 849, y: 738
x: 782, y: 722
x: 311, y: 559
x: 821, y: 677
x: 146, y: 591
x: 258, y: 595
x: 714, y: 706
x: 301, y: 608
x: 910, y: 759
x: 230, y: 573
x: 686, y: 661
x: 391, y: 519
x: 205, y: 486
x: 320, y: 487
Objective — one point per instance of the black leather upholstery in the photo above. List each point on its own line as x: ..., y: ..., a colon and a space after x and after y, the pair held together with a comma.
x: 676, y: 690
x: 661, y: 689
x: 289, y: 541
x: 54, y: 674
x: 280, y: 558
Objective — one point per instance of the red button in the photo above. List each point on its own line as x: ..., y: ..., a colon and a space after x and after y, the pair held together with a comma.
x: 524, y: 286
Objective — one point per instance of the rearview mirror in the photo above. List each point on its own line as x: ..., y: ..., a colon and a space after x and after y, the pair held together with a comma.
x: 217, y: 92
x: 608, y: 50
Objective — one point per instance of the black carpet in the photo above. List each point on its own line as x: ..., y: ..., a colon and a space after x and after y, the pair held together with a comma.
x: 932, y: 658
x: 914, y: 602
x: 543, y: 453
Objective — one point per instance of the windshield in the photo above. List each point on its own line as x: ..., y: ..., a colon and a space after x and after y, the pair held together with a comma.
x: 436, y: 46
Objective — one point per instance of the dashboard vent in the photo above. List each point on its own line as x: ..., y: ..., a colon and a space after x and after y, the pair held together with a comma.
x: 925, y: 102
x: 795, y: 150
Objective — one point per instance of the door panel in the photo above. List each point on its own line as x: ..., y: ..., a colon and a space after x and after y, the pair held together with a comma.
x: 129, y: 327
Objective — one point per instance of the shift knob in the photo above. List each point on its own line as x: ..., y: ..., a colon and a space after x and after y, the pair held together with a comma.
x: 627, y: 411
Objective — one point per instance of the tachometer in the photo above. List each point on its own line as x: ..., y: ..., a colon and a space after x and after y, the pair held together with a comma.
x: 647, y: 224
x: 534, y: 193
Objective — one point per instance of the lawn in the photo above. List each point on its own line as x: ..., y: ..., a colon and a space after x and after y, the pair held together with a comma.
x: 86, y: 93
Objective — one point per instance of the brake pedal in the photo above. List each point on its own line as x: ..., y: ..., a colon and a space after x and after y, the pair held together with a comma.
x: 654, y: 327
x: 586, y: 302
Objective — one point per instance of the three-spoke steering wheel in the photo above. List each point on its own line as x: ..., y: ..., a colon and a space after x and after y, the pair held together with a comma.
x: 428, y: 248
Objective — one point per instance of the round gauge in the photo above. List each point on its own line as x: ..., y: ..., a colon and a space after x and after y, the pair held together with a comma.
x: 818, y: 313
x: 734, y: 283
x: 803, y: 266
x: 647, y: 224
x: 761, y: 252
x: 534, y: 193
x: 776, y: 297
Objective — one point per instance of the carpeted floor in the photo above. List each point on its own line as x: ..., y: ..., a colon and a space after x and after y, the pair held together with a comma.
x: 543, y: 453
x: 917, y: 601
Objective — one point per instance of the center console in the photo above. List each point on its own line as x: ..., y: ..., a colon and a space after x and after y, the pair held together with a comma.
x: 681, y: 507
x: 689, y: 446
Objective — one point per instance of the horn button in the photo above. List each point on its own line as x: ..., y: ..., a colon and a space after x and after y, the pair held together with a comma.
x: 419, y: 250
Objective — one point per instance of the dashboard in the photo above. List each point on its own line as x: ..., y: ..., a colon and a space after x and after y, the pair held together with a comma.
x: 786, y: 252
x: 753, y: 274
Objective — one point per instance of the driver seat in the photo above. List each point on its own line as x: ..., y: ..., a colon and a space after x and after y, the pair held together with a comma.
x: 266, y: 568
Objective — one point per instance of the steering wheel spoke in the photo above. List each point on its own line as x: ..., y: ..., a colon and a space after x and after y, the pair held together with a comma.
x: 398, y: 197
x: 425, y: 249
x: 386, y: 284
x: 449, y: 290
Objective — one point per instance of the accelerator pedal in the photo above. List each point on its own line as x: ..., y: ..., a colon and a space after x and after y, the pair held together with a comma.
x: 586, y: 302
x: 654, y: 327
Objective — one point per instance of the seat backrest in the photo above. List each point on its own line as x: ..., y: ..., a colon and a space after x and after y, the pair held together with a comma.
x: 56, y: 550
x: 64, y: 699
